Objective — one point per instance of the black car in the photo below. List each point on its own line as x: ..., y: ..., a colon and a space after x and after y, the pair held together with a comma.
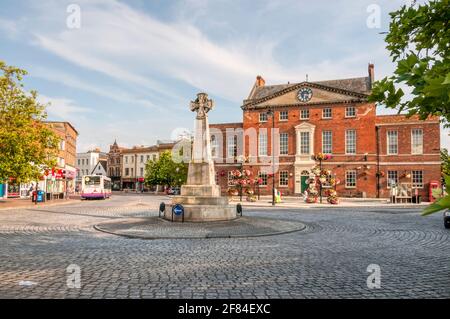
x: 447, y: 219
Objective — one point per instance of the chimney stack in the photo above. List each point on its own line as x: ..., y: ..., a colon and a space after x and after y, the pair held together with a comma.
x: 260, y: 81
x: 371, y: 74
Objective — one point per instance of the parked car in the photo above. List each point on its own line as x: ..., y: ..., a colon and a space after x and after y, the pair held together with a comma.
x: 447, y: 219
x: 173, y: 191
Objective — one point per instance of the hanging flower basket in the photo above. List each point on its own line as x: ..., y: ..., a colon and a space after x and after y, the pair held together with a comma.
x: 311, y: 200
x: 333, y: 200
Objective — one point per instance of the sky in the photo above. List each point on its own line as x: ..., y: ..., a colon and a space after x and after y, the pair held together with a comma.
x: 129, y: 69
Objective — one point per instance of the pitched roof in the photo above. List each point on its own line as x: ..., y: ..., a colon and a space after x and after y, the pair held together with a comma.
x: 358, y: 85
x: 102, y: 163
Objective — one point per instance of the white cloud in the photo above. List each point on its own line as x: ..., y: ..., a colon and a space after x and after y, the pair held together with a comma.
x: 62, y: 108
x: 112, y: 93
x: 134, y: 47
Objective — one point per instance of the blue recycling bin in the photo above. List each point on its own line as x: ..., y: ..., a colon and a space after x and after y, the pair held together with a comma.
x: 40, y: 196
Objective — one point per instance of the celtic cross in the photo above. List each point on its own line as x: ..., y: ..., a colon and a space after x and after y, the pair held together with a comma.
x: 202, y: 105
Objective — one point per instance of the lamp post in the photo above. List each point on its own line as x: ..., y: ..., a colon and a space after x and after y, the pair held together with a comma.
x: 320, y: 183
x: 271, y: 113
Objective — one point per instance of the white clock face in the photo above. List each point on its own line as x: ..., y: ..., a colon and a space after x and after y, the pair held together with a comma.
x: 305, y: 94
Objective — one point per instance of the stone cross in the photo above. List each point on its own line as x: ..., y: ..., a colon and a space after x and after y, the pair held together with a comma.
x: 202, y: 105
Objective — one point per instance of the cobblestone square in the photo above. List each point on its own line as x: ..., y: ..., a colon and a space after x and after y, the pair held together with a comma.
x: 329, y: 259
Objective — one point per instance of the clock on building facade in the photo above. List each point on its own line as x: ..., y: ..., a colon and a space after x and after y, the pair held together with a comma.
x: 305, y: 94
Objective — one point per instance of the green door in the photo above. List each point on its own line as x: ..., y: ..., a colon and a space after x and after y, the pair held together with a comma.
x: 303, y: 183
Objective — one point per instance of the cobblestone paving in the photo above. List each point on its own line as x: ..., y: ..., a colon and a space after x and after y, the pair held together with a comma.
x: 158, y: 228
x: 329, y: 260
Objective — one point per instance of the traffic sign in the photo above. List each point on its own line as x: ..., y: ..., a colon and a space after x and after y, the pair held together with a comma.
x: 178, y: 209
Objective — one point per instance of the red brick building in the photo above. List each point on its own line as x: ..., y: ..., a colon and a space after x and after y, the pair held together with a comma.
x: 369, y: 151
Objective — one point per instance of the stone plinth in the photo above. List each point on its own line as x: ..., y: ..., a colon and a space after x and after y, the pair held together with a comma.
x: 200, y: 197
x: 203, y: 213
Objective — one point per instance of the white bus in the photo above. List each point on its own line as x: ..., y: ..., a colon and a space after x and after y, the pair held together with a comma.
x: 95, y: 186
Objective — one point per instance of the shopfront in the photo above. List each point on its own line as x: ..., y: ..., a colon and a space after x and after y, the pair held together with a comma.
x: 2, y: 190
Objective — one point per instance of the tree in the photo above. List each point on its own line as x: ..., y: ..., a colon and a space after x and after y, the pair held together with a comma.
x: 445, y: 162
x: 165, y: 171
x: 418, y: 40
x: 27, y: 145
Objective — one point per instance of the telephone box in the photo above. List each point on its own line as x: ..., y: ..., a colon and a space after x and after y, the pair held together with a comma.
x: 433, y: 185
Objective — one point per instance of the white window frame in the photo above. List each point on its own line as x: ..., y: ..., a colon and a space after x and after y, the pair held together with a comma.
x: 323, y: 113
x: 353, y: 113
x: 230, y: 178
x: 284, y: 143
x: 347, y: 145
x: 389, y: 135
x: 418, y: 185
x: 302, y: 117
x: 330, y: 142
x: 305, y: 136
x: 263, y: 144
x: 214, y: 147
x: 283, y: 119
x: 265, y: 179
x: 263, y: 117
x: 388, y: 184
x: 416, y: 148
x: 353, y: 172
x: 284, y: 179
x: 232, y: 146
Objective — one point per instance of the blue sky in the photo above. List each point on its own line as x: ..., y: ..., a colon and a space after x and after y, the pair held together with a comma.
x: 132, y: 67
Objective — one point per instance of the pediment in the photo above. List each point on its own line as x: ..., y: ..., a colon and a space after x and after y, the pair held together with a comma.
x: 321, y: 94
x: 305, y: 126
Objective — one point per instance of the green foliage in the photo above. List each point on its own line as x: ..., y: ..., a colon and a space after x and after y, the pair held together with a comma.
x: 445, y: 162
x: 442, y: 203
x: 418, y: 40
x: 27, y: 145
x: 164, y: 171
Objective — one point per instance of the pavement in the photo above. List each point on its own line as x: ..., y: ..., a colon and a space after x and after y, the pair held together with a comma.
x: 334, y: 258
x: 10, y: 203
x: 298, y: 202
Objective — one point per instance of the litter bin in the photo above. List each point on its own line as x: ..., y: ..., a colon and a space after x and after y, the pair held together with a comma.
x: 40, y: 196
x: 33, y: 196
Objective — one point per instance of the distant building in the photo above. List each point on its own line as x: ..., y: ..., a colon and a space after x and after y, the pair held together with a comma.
x: 100, y: 168
x: 371, y: 153
x: 126, y: 166
x: 86, y: 162
x: 114, y: 170
x: 134, y: 161
x: 60, y: 180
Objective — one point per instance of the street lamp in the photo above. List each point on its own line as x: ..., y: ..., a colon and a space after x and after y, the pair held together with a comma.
x: 271, y: 113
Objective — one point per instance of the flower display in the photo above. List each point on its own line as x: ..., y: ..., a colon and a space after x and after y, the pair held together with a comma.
x: 322, y: 157
x: 333, y: 200
x: 322, y: 179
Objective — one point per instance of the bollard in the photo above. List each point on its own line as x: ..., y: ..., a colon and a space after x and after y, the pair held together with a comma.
x: 162, y: 208
x: 239, y: 209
